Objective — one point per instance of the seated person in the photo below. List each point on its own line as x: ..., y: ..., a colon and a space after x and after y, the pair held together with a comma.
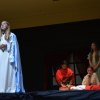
x: 80, y: 87
x: 64, y: 75
x: 91, y: 78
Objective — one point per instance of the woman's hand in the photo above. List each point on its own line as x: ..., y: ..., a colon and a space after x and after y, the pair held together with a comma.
x: 63, y: 85
x: 3, y: 47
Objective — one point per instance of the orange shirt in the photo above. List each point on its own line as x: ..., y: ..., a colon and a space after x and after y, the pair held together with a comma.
x: 64, y: 73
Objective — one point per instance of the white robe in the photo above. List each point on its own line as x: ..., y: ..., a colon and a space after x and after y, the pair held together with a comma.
x: 79, y: 87
x: 11, y: 79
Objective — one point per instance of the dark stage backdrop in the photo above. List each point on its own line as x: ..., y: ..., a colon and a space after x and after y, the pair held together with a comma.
x: 37, y: 44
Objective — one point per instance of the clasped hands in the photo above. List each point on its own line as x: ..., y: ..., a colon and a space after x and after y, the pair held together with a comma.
x: 65, y: 87
x: 3, y: 47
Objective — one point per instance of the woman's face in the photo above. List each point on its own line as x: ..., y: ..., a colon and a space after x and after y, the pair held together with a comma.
x: 64, y: 66
x: 93, y: 46
x: 4, y: 25
x: 89, y: 71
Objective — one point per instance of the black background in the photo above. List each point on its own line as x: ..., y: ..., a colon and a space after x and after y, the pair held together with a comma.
x: 37, y: 42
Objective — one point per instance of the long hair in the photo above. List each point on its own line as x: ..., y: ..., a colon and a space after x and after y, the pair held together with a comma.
x: 7, y: 32
x: 96, y: 55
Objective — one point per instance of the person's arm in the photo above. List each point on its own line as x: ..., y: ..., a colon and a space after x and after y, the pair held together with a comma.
x: 62, y: 85
x: 72, y: 78
x: 86, y: 80
x: 97, y: 79
x: 90, y: 63
x: 12, y: 48
x: 97, y: 65
x: 59, y: 78
x: 13, y: 51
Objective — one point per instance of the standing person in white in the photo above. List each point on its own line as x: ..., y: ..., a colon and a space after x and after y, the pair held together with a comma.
x: 11, y: 78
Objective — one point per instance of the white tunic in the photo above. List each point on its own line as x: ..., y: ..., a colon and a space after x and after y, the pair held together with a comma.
x: 11, y: 79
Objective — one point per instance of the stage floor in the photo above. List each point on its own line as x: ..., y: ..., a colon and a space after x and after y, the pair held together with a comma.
x: 53, y: 95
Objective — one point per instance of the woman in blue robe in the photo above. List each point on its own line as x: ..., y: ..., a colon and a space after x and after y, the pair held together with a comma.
x: 11, y: 78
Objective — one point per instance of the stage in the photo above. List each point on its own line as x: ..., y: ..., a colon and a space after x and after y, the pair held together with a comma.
x: 53, y: 95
